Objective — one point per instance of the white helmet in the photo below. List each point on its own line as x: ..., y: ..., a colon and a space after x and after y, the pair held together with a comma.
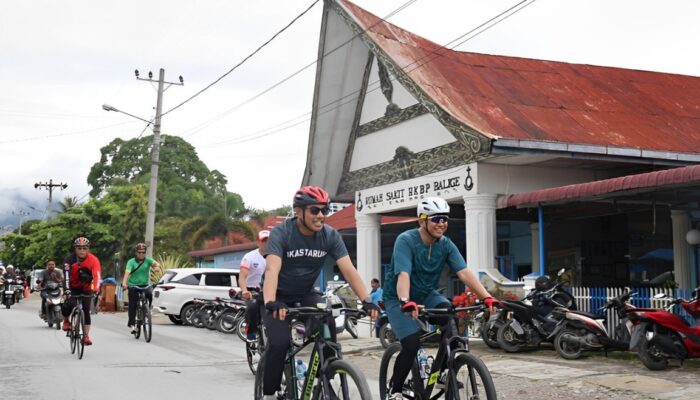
x: 432, y: 206
x: 11, y: 266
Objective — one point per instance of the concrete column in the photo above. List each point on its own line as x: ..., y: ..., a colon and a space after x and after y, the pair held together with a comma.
x: 368, y: 246
x: 680, y: 221
x: 535, y: 234
x: 480, y: 210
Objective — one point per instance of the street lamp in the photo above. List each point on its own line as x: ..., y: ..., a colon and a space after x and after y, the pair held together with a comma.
x: 693, y: 239
x: 107, y: 107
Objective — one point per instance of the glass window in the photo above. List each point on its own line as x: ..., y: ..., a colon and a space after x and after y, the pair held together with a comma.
x: 234, y: 280
x: 191, y: 279
x: 217, y: 279
x: 167, y: 277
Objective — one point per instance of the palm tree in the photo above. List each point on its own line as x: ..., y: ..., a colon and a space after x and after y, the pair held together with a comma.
x: 198, y: 229
x: 68, y: 203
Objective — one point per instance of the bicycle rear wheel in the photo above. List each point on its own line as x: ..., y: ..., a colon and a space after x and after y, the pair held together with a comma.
x: 284, y: 391
x: 345, y: 382
x: 147, y: 325
x: 473, y: 379
x: 386, y: 371
x: 80, y: 329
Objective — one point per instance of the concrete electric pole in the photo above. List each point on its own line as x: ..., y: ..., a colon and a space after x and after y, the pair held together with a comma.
x: 155, y: 157
x: 21, y: 214
x: 50, y: 186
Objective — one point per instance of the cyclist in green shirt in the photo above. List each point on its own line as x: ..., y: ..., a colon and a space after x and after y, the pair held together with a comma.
x: 138, y: 273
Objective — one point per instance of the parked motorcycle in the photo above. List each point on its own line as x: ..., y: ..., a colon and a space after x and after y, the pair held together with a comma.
x: 54, y: 300
x: 341, y: 322
x: 581, y: 331
x: 534, y: 319
x: 661, y: 335
x: 547, y: 294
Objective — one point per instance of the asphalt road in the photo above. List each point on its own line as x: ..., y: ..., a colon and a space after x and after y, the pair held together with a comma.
x: 179, y: 363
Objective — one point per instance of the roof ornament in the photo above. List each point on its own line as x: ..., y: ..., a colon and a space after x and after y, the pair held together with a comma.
x: 387, y: 89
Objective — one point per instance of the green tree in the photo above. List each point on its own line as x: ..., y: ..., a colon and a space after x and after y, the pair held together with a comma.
x: 68, y: 203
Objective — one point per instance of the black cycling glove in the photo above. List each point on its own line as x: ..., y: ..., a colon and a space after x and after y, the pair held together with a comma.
x: 273, y: 306
x: 368, y: 305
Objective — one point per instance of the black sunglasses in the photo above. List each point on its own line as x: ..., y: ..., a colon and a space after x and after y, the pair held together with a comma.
x: 436, y: 219
x: 315, y: 210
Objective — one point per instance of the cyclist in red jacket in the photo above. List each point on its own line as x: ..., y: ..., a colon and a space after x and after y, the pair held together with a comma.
x: 82, y: 272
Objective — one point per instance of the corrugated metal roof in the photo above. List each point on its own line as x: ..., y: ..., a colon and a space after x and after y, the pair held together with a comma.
x: 345, y: 219
x: 600, y: 189
x: 526, y: 99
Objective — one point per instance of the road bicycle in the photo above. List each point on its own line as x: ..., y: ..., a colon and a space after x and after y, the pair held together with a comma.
x: 76, y: 332
x: 142, y: 319
x: 328, y: 375
x: 454, y: 372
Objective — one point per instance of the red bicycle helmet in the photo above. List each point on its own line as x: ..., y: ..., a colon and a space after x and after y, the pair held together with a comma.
x: 310, y: 195
x: 81, y: 241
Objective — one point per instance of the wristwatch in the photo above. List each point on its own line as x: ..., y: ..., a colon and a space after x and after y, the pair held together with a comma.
x: 403, y: 300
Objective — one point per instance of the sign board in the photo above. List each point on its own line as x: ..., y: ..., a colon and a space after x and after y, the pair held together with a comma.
x: 449, y: 184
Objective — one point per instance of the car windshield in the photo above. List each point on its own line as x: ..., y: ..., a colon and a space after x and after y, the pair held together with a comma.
x: 167, y: 277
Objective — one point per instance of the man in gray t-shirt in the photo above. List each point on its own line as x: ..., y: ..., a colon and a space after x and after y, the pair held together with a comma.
x: 50, y: 274
x: 295, y: 254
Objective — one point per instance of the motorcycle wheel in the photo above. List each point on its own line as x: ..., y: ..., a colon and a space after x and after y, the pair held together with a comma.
x: 49, y: 318
x: 567, y: 350
x: 387, y: 335
x: 186, y: 314
x: 57, y: 320
x: 226, y: 323
x: 489, y: 334
x: 508, y: 339
x: 210, y: 322
x: 241, y: 328
x: 351, y: 327
x: 650, y: 356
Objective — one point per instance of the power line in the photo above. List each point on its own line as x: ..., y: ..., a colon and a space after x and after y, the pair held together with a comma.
x: 65, y: 133
x: 245, y: 59
x: 502, y: 15
x: 206, y: 124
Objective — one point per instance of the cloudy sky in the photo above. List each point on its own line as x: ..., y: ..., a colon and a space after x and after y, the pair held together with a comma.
x: 61, y: 60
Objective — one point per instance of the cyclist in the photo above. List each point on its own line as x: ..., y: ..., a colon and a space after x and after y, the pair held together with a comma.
x: 138, y: 273
x: 50, y: 274
x: 296, y: 252
x: 418, y: 259
x: 82, y: 277
x: 252, y: 269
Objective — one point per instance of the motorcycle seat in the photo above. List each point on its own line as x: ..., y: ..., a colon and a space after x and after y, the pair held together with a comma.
x: 587, y: 314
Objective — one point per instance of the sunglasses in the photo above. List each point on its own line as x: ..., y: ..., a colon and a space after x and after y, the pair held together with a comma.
x: 437, y: 219
x: 81, y: 247
x: 315, y: 210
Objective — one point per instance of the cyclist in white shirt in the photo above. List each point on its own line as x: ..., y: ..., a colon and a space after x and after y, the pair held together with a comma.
x: 252, y: 269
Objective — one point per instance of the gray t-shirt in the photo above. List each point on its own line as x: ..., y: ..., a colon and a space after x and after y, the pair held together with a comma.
x: 302, y: 257
x: 55, y: 276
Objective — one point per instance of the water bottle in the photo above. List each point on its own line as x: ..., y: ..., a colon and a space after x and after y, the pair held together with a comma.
x: 300, y: 372
x: 422, y: 363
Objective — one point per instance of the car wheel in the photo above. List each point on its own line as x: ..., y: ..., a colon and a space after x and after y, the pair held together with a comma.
x: 175, y: 319
x: 186, y: 314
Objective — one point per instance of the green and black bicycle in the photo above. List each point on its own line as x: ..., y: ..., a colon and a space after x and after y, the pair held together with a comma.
x: 328, y: 375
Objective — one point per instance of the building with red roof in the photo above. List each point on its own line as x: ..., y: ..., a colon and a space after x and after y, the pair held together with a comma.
x: 397, y: 118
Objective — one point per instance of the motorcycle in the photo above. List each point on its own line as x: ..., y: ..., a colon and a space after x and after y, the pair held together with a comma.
x: 54, y: 300
x: 661, y: 335
x: 9, y: 292
x: 547, y: 294
x: 534, y: 319
x: 341, y: 322
x: 581, y: 331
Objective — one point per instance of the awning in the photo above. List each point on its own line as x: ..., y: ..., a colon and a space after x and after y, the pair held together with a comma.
x: 608, y: 188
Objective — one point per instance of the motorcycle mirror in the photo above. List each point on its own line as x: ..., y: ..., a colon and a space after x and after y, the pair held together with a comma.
x: 561, y: 271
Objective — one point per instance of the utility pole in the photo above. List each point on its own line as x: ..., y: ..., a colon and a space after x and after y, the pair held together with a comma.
x: 50, y: 186
x: 155, y: 157
x: 21, y: 214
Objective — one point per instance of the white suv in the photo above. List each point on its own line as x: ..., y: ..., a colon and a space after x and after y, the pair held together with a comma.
x: 178, y: 287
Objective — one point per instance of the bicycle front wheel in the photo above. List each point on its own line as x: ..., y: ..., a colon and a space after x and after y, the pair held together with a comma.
x: 283, y: 392
x: 147, y: 325
x: 345, y: 382
x: 473, y: 380
x: 72, y: 333
x: 138, y: 323
x: 80, y: 333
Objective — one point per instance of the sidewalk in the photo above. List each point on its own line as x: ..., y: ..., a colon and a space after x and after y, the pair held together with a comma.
x: 364, y: 342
